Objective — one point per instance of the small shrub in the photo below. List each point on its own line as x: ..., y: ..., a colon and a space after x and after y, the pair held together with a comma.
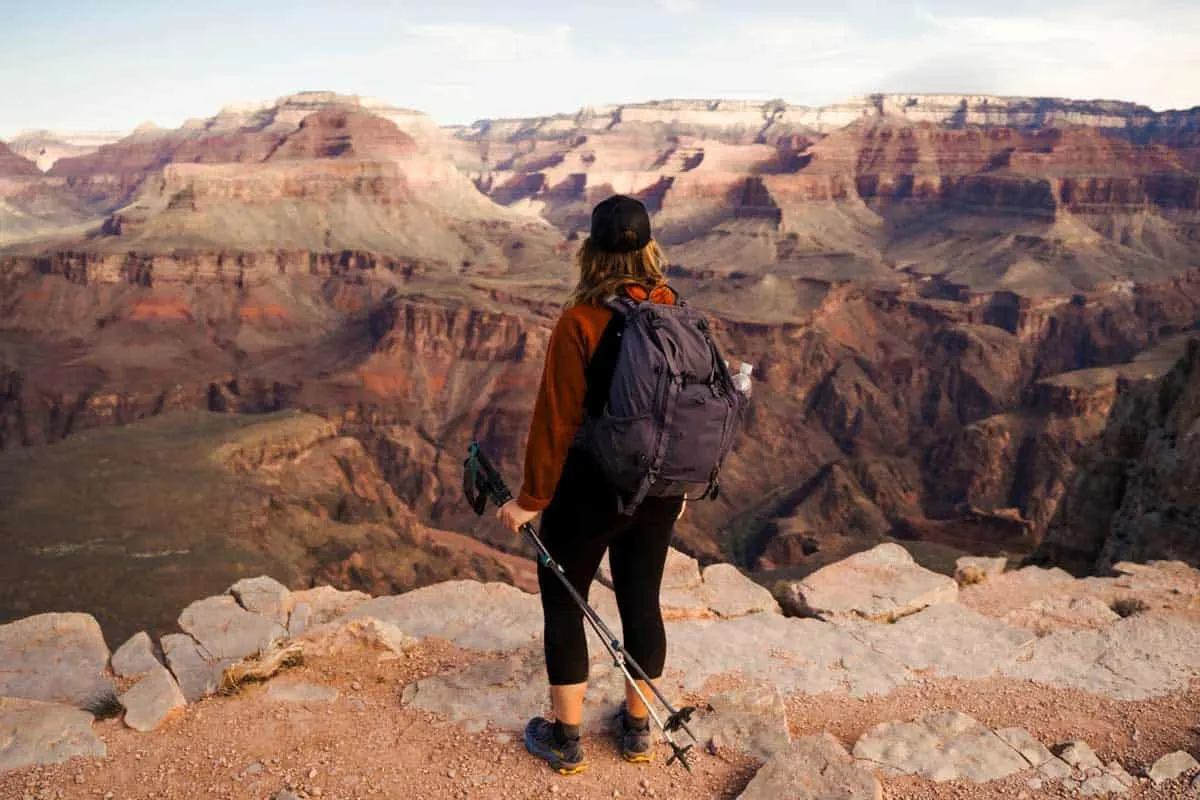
x: 969, y: 575
x: 105, y: 706
x: 1128, y: 606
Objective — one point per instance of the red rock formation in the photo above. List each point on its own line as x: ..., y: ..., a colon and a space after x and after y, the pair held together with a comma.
x: 1134, y: 497
x: 13, y: 165
x: 910, y: 293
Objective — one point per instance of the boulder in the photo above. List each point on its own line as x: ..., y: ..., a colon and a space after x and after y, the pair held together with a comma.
x: 154, y: 699
x: 33, y: 732
x: 939, y: 746
x: 266, y: 597
x: 135, y: 657
x: 197, y: 673
x: 881, y: 584
x: 228, y: 631
x: 1171, y: 766
x: 813, y: 768
x: 59, y: 658
x: 300, y: 620
x: 367, y: 632
x: 325, y: 604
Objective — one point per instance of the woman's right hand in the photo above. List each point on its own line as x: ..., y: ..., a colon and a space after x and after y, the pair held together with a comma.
x: 513, y: 516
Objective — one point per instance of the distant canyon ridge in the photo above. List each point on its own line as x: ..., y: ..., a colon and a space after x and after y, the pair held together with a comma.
x: 957, y: 307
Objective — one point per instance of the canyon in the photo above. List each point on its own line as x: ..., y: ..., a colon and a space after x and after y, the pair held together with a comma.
x: 947, y: 302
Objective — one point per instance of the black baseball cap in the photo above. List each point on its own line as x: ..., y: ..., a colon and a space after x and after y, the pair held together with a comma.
x: 620, y: 224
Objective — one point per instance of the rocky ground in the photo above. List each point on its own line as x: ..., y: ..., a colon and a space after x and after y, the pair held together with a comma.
x: 898, y: 683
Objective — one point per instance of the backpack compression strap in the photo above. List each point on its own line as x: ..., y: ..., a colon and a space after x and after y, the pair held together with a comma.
x: 674, y: 384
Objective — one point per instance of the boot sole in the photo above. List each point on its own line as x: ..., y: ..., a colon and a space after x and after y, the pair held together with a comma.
x: 636, y: 758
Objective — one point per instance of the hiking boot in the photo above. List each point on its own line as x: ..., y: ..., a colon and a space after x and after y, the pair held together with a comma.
x: 636, y: 741
x: 566, y: 758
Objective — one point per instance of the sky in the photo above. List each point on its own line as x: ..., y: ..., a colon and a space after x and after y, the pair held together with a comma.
x: 80, y: 65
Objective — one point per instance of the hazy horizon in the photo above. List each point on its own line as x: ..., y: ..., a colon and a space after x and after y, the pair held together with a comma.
x: 69, y: 65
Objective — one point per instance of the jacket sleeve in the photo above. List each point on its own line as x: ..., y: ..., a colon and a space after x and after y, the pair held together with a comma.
x: 557, y: 413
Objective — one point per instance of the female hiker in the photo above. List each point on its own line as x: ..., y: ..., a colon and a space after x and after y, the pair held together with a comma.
x: 581, y: 513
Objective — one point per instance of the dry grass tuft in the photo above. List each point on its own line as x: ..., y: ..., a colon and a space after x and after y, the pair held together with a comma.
x: 260, y: 669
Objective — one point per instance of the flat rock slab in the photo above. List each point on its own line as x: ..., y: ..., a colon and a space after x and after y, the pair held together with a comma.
x: 301, y: 693
x: 880, y: 584
x: 135, y: 657
x: 154, y: 700
x: 951, y: 640
x: 1101, y: 786
x: 1063, y: 611
x: 228, y: 631
x: 507, y: 691
x: 473, y: 615
x: 1171, y: 766
x: 266, y: 597
x: 728, y: 593
x: 197, y: 673
x: 1176, y: 577
x: 32, y: 732
x: 1024, y: 743
x: 1136, y: 658
x: 940, y: 746
x: 751, y: 718
x: 59, y: 658
x: 723, y: 591
x: 797, y: 655
x: 813, y: 768
x: 1056, y: 769
x: 1080, y: 755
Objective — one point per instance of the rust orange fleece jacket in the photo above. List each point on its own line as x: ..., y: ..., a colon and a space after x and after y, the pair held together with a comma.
x: 559, y: 410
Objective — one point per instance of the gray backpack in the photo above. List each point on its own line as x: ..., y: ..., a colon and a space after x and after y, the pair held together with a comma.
x: 664, y: 423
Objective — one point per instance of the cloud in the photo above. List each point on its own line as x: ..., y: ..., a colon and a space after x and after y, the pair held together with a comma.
x: 493, y: 43
x: 678, y: 6
x: 1101, y: 51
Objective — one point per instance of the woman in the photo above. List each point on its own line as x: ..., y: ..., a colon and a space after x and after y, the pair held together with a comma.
x: 579, y: 507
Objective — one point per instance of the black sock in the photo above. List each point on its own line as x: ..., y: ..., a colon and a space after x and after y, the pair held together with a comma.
x: 636, y: 723
x: 564, y: 733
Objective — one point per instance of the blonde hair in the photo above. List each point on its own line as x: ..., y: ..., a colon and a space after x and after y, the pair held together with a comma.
x: 602, y: 273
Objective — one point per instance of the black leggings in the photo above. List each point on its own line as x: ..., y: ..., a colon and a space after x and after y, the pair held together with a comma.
x: 581, y: 522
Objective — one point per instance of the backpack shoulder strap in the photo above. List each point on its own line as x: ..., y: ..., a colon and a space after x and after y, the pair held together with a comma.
x: 600, y: 368
x: 620, y: 304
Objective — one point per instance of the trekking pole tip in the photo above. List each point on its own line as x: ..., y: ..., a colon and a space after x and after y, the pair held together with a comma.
x: 681, y: 755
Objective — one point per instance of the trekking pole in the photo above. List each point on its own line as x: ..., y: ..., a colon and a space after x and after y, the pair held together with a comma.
x: 481, y: 481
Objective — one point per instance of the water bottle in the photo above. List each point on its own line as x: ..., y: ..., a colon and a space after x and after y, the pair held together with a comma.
x: 741, y: 381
